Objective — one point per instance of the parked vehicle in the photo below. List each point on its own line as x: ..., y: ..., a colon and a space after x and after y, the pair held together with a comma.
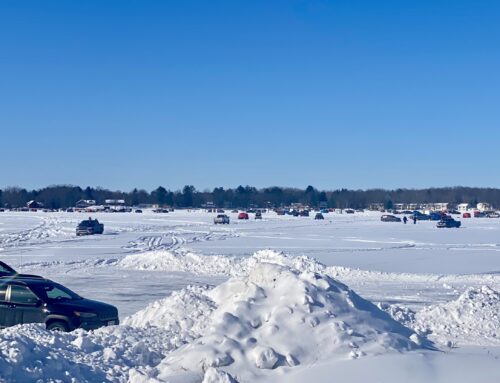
x: 89, y: 227
x: 243, y: 215
x: 493, y: 214
x: 319, y: 216
x: 160, y: 210
x: 138, y: 210
x: 466, y: 215
x: 436, y: 216
x: 304, y: 213
x: 220, y: 211
x: 448, y: 222
x: 390, y: 218
x: 258, y: 215
x: 32, y: 299
x: 420, y: 216
x: 221, y: 219
x: 349, y: 211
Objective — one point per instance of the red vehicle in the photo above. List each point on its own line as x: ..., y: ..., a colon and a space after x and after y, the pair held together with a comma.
x: 466, y: 215
x: 243, y: 215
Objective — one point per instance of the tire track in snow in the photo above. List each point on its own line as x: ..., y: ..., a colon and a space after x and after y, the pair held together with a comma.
x: 49, y: 228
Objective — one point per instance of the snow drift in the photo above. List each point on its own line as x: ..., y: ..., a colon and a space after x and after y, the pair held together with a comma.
x: 472, y: 318
x: 280, y: 317
x: 186, y: 261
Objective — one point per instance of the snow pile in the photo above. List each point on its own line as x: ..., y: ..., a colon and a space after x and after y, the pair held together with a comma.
x: 277, y: 313
x: 180, y: 260
x: 473, y: 318
x: 186, y: 261
x: 280, y: 317
x: 184, y: 314
x: 403, y: 315
x: 29, y: 353
x: 302, y: 262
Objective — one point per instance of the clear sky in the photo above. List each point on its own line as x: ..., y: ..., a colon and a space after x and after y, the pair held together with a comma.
x: 349, y: 93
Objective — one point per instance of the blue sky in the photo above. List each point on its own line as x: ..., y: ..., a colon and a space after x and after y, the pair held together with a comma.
x: 355, y: 94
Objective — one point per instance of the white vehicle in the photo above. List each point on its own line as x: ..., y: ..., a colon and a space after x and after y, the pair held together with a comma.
x: 221, y: 219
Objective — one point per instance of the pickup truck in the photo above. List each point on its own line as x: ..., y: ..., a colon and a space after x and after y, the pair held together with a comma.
x: 221, y: 219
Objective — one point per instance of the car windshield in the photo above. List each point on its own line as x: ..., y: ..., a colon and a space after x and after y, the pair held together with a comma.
x: 55, y: 292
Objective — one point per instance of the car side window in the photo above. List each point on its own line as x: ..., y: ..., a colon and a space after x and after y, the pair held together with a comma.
x: 22, y: 294
x: 55, y: 293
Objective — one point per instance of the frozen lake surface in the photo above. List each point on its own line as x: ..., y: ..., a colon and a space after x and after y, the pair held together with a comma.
x: 143, y: 258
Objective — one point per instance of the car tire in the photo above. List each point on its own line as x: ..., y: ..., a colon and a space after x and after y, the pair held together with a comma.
x: 58, y: 326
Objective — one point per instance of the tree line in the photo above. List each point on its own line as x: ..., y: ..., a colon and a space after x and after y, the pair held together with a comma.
x: 64, y: 196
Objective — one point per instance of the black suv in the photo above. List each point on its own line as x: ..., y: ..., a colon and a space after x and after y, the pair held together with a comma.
x: 32, y: 299
x: 89, y: 226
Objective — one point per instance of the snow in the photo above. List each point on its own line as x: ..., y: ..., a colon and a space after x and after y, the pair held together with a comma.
x: 214, y: 265
x: 260, y: 318
x: 474, y: 317
x: 261, y: 301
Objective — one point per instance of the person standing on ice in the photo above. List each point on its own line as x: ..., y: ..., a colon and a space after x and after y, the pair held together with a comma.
x: 405, y: 219
x: 414, y: 219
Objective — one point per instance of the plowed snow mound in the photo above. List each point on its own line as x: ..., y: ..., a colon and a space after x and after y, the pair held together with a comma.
x: 281, y: 312
x: 473, y: 318
x: 278, y: 317
x: 182, y: 260
x: 30, y: 353
x: 184, y: 312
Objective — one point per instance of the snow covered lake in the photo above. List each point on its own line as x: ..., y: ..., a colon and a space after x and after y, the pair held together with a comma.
x: 441, y: 285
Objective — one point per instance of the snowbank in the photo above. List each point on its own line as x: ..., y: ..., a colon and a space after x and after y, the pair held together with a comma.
x: 473, y: 318
x: 186, y: 261
x: 29, y: 353
x: 181, y: 260
x: 280, y: 317
x: 184, y: 312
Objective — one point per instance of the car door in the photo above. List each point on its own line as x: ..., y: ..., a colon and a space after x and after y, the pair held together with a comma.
x: 24, y: 305
x: 4, y: 305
